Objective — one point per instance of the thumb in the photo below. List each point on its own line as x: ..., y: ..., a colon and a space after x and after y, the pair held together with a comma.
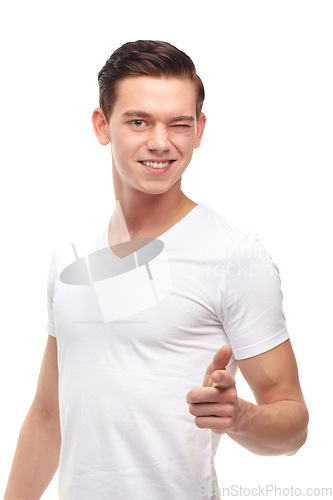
x: 220, y: 361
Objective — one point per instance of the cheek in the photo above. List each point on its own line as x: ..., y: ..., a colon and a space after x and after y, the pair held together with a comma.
x: 125, y: 151
x: 186, y: 145
x: 119, y: 146
x: 127, y: 143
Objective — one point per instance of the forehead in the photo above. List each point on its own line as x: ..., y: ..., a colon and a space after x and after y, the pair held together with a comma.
x: 156, y: 95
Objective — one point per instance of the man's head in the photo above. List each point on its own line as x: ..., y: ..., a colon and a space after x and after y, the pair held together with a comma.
x: 145, y: 58
x: 150, y: 113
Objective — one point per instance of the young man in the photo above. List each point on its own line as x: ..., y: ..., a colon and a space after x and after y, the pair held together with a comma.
x: 148, y: 321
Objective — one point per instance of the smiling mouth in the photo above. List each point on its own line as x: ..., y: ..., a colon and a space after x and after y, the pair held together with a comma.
x: 157, y: 164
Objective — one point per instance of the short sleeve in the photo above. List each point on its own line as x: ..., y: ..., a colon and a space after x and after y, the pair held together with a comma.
x: 249, y: 301
x: 50, y: 327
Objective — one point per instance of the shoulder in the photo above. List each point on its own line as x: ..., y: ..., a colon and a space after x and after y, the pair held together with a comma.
x: 222, y: 234
x: 76, y: 243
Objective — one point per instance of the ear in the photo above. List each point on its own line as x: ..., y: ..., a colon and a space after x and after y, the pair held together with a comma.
x: 100, y: 125
x: 200, y: 130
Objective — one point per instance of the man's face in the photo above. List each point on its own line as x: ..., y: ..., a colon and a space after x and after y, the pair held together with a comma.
x: 153, y: 130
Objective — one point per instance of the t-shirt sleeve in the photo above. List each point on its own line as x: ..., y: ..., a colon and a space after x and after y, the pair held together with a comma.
x: 249, y: 301
x: 50, y: 327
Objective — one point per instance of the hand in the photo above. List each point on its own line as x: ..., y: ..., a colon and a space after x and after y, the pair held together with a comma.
x: 215, y: 405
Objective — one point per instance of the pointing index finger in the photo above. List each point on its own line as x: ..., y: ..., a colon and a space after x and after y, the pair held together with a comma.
x: 220, y: 361
x: 222, y: 358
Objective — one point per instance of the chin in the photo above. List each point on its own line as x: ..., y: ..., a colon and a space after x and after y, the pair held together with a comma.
x: 155, y: 191
x: 155, y: 188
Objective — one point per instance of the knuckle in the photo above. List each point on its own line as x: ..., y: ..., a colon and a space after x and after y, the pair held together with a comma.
x: 231, y: 410
x: 191, y: 409
x: 198, y: 422
x: 221, y: 397
x: 227, y: 422
x: 233, y: 396
x: 195, y: 394
x: 223, y: 424
x: 230, y: 379
x: 226, y: 410
x: 189, y: 396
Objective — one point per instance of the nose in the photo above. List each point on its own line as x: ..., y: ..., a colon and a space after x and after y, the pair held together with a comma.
x: 158, y: 139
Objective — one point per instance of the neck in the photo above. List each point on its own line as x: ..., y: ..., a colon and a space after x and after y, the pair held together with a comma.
x: 150, y: 214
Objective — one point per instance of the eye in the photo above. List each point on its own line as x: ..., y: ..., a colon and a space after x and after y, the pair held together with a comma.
x: 138, y: 123
x: 181, y: 125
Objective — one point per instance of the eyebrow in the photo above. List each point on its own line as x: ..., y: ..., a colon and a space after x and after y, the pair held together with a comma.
x: 144, y: 114
x: 186, y: 118
x: 133, y: 112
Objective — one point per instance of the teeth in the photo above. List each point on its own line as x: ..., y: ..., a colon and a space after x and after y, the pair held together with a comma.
x: 154, y: 164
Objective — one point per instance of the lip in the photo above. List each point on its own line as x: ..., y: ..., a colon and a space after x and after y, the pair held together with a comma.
x: 158, y: 171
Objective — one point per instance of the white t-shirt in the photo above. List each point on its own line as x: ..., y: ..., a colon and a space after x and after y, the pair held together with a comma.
x: 135, y: 334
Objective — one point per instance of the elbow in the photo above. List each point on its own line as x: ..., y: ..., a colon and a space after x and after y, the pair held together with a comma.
x: 302, y: 434
x: 301, y: 441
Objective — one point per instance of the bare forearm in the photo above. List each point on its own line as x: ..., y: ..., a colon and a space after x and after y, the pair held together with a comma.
x: 273, y: 429
x: 36, y: 457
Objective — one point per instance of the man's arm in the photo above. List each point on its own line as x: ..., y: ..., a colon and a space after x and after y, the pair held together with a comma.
x: 37, y: 453
x: 277, y: 425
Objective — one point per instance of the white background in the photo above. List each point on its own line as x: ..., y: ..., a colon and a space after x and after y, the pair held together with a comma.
x: 264, y: 163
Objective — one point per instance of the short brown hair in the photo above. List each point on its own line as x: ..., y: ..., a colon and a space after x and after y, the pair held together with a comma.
x: 145, y: 57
